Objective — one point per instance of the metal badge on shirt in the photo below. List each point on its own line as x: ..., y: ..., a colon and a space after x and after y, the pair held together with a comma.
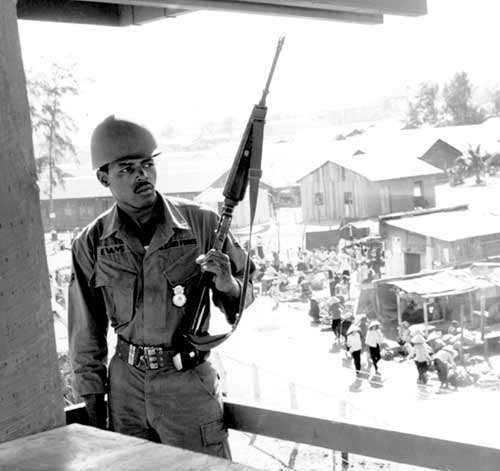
x: 179, y: 298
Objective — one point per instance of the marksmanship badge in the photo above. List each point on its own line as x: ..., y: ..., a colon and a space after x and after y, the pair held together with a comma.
x: 179, y: 298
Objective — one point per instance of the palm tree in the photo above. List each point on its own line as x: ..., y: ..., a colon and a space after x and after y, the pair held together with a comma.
x: 477, y: 162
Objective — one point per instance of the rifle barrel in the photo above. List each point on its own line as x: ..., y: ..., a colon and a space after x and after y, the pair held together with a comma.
x: 271, y: 72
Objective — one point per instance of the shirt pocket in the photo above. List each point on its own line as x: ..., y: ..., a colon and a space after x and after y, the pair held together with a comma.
x: 181, y: 271
x: 118, y: 283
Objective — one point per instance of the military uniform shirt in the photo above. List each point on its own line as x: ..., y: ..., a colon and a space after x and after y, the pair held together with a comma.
x: 117, y: 281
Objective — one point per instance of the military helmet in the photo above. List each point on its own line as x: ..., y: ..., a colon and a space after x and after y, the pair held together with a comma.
x: 114, y: 139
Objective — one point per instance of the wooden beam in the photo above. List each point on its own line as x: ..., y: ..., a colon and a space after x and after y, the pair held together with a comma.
x: 92, y: 12
x: 373, y: 7
x: 314, y: 10
x: 137, y: 15
x: 398, y: 307
x: 426, y: 317
x: 31, y: 398
x: 126, y: 12
x: 377, y: 442
x: 105, y: 14
x: 382, y: 7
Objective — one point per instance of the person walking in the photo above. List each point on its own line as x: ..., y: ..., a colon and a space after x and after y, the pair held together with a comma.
x: 274, y: 293
x: 374, y: 341
x: 353, y: 345
x: 137, y: 268
x: 335, y: 310
x: 419, y: 352
x: 314, y: 310
x: 347, y: 319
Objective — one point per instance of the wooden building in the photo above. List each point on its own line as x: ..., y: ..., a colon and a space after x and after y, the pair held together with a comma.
x: 75, y: 204
x: 435, y: 238
x: 265, y: 211
x: 81, y: 199
x: 364, y: 186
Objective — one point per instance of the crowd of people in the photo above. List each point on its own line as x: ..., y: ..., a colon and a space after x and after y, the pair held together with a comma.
x: 339, y: 267
x: 431, y: 352
x: 357, y: 334
x: 327, y: 281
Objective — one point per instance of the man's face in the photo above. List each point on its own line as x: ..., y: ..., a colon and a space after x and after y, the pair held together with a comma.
x: 132, y: 182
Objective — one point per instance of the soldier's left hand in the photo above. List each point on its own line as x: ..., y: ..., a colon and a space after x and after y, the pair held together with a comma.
x: 218, y: 263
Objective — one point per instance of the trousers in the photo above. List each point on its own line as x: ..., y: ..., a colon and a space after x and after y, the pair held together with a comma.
x: 179, y: 408
x: 356, y: 355
x: 375, y: 356
x: 422, y: 367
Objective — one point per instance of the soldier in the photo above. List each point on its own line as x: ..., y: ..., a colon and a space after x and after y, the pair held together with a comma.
x: 137, y: 269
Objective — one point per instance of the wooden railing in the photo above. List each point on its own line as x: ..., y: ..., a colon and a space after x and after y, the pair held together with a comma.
x: 342, y: 435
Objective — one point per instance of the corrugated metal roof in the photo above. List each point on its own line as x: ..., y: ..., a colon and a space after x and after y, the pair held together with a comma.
x: 450, y: 226
x: 448, y: 282
x: 377, y: 167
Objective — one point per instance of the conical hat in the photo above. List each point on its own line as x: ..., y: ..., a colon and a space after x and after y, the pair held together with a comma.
x: 353, y: 328
x: 418, y: 339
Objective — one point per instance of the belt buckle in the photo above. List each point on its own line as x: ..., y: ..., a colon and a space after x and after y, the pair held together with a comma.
x: 151, y: 357
x: 137, y: 357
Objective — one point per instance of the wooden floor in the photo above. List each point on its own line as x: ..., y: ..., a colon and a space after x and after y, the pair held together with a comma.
x: 77, y: 447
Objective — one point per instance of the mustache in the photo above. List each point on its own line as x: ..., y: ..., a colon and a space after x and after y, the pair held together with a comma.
x: 140, y: 185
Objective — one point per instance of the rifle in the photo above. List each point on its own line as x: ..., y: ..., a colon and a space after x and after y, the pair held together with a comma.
x: 246, y: 169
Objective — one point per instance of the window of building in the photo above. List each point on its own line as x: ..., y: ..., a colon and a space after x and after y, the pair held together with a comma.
x: 318, y: 199
x: 342, y: 173
x: 418, y: 195
x: 418, y: 189
x: 347, y: 197
x: 86, y: 210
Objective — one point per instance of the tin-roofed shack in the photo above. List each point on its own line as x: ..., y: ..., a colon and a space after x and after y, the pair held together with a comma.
x: 430, y: 239
x: 364, y: 186
x: 467, y: 296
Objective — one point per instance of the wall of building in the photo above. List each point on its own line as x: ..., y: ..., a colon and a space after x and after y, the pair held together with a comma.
x: 74, y: 213
x: 241, y: 213
x: 401, y: 193
x: 78, y: 212
x: 397, y: 243
x: 323, y: 195
x: 475, y: 248
x: 433, y: 253
x: 30, y: 388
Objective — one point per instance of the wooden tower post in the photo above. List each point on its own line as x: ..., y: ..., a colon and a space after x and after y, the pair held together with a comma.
x: 30, y: 388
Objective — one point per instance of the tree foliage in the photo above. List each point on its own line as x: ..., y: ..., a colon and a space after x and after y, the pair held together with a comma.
x: 496, y: 102
x: 453, y: 106
x: 458, y: 105
x: 477, y: 161
x: 52, y: 124
x: 423, y: 109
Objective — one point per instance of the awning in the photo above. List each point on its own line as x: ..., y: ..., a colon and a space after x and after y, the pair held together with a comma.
x: 444, y: 283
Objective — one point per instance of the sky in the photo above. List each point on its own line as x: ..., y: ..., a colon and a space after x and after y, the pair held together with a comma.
x: 209, y: 66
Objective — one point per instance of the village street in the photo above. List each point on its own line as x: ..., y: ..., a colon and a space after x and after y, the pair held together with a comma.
x: 278, y: 359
